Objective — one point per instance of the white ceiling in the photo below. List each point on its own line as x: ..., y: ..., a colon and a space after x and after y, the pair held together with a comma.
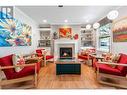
x: 74, y: 14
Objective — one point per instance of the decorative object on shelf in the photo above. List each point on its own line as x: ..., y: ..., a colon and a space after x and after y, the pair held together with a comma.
x: 55, y: 35
x: 14, y: 33
x: 112, y: 14
x: 45, y: 35
x: 119, y: 30
x: 76, y: 36
x: 65, y: 32
x: 44, y: 43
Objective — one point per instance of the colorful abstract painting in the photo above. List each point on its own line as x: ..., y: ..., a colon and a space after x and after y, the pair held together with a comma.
x: 119, y: 30
x: 65, y: 32
x: 14, y: 33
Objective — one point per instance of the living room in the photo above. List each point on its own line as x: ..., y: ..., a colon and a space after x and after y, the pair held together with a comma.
x: 57, y: 47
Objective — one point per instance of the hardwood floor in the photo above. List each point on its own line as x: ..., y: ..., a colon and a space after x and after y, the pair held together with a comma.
x: 49, y: 80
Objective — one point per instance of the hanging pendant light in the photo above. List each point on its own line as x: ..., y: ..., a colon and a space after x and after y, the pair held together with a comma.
x: 112, y: 14
x: 88, y: 26
x: 96, y: 25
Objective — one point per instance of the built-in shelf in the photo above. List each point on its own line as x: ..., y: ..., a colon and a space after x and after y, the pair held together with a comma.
x: 86, y: 38
x: 45, y: 36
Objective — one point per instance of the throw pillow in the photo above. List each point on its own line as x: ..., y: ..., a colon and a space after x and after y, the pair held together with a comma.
x: 115, y: 58
x: 112, y: 59
x: 18, y: 60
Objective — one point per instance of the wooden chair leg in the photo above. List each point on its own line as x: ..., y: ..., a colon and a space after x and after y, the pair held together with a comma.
x: 0, y: 85
x: 44, y: 63
x: 53, y: 61
x: 0, y: 79
x: 35, y: 80
x: 44, y: 60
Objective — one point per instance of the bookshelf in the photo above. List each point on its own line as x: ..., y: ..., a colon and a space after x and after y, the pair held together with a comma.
x: 45, y: 36
x: 87, y: 38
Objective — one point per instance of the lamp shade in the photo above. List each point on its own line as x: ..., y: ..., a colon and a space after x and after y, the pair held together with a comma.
x: 112, y: 14
x: 96, y: 25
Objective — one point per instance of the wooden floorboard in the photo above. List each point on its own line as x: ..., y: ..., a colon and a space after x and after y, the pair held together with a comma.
x: 49, y: 80
x: 87, y: 80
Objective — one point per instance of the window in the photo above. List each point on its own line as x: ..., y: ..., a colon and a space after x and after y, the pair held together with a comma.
x: 104, y: 37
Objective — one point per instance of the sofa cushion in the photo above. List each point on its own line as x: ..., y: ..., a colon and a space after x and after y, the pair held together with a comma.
x: 122, y: 60
x: 7, y: 61
x: 103, y: 68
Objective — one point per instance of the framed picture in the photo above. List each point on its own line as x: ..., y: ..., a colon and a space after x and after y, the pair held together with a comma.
x: 119, y: 30
x: 65, y: 32
x: 14, y: 33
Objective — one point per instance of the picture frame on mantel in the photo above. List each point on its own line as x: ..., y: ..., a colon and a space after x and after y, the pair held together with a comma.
x: 119, y: 30
x: 65, y: 32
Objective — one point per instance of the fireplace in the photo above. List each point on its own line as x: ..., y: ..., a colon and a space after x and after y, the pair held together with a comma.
x: 65, y: 52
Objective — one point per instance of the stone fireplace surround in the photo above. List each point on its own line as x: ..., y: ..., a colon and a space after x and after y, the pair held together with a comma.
x: 65, y: 43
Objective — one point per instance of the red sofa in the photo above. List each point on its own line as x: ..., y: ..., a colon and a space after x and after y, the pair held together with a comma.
x: 119, y: 70
x: 11, y: 74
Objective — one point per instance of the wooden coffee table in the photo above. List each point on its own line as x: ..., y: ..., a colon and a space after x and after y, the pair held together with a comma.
x: 68, y: 66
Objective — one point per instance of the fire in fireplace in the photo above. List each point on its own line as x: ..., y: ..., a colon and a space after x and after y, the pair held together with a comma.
x: 65, y: 52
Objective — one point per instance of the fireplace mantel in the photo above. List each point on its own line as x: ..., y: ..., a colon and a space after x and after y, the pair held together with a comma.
x: 65, y: 42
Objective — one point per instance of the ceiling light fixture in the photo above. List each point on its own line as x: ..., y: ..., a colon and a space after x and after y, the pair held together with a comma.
x: 44, y: 21
x: 87, y: 21
x: 66, y: 21
x: 96, y: 25
x: 112, y: 14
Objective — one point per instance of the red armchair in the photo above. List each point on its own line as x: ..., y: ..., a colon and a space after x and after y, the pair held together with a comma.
x: 29, y: 72
x: 42, y: 52
x: 86, y: 56
x: 114, y: 76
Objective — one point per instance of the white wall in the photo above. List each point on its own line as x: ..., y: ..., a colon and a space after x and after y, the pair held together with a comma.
x: 35, y: 36
x: 120, y: 47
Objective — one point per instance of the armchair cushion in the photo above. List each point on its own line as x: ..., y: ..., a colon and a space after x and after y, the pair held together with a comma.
x: 49, y: 57
x: 11, y: 74
x: 7, y: 61
x: 104, y: 68
x: 82, y: 57
x: 24, y: 72
x: 122, y: 60
x: 39, y: 52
